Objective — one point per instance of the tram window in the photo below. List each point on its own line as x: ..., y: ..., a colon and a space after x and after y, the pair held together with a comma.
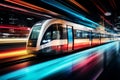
x: 93, y: 35
x: 81, y: 34
x: 47, y: 37
x: 96, y: 35
x: 106, y: 36
x: 57, y: 31
x: 56, y: 35
x: 35, y: 33
x: 103, y: 35
x: 61, y: 32
x: 77, y: 34
x: 85, y: 34
x: 99, y: 35
x: 64, y: 33
x: 52, y: 33
x: 109, y: 36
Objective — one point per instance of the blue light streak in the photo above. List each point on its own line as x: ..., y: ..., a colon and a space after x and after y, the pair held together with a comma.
x: 45, y: 69
x: 70, y: 11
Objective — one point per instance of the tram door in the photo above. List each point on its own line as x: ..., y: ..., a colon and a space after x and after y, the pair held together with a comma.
x: 70, y: 37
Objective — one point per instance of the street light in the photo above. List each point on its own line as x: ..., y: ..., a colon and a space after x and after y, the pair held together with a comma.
x: 107, y: 14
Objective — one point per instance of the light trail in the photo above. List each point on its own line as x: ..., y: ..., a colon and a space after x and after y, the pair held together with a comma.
x: 12, y: 40
x: 13, y: 54
x: 63, y: 64
x: 68, y: 10
x: 79, y: 5
x: 31, y: 6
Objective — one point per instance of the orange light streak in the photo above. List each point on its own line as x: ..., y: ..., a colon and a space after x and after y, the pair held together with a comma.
x: 31, y: 6
x: 23, y: 10
x: 13, y: 54
x: 79, y: 5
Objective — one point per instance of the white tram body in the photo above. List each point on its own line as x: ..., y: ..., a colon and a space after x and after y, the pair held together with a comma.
x: 55, y: 36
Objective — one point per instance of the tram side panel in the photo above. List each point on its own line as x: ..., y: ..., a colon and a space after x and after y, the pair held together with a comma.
x: 81, y: 39
x: 95, y: 39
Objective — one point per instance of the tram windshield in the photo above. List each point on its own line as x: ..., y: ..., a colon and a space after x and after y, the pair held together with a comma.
x: 34, y: 35
x: 35, y: 32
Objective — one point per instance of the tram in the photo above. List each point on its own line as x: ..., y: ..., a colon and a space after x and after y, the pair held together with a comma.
x: 56, y: 36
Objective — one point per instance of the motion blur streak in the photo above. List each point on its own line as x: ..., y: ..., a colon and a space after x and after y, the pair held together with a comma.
x: 70, y: 11
x: 24, y: 10
x: 17, y: 66
x: 13, y: 27
x: 17, y: 58
x: 102, y: 10
x: 31, y: 6
x: 45, y: 69
x: 13, y: 54
x: 80, y: 6
x: 13, y: 40
x: 90, y: 60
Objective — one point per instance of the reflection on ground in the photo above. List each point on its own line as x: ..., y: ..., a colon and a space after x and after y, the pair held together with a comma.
x: 84, y: 65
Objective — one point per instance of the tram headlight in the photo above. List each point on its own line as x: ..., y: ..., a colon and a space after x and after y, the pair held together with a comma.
x: 29, y: 43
